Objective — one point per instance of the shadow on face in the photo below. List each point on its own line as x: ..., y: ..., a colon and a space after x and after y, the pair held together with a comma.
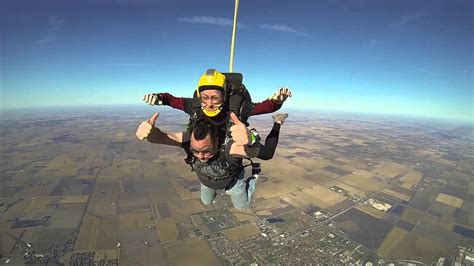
x: 203, y: 149
x: 211, y: 100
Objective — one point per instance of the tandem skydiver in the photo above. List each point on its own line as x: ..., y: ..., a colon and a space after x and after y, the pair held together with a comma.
x: 217, y: 95
x: 216, y: 168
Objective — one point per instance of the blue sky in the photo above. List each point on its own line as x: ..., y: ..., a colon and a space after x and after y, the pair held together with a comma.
x: 402, y: 57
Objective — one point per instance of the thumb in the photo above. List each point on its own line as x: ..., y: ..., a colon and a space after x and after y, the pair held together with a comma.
x: 152, y: 120
x: 235, y: 119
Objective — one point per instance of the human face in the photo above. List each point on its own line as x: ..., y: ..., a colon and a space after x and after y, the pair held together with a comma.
x: 203, y: 149
x: 211, y: 100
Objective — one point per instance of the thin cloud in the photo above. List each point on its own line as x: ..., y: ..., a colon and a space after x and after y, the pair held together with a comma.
x: 407, y: 19
x: 55, y: 23
x: 376, y: 42
x: 48, y: 38
x: 208, y: 20
x: 430, y: 72
x: 118, y: 64
x: 467, y: 70
x: 423, y: 70
x: 282, y: 28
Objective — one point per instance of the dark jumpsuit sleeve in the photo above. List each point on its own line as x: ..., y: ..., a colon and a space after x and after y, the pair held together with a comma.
x: 183, y: 104
x: 175, y: 102
x: 265, y: 107
x: 267, y: 150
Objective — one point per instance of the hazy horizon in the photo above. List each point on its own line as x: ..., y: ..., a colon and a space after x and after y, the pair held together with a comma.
x: 325, y: 113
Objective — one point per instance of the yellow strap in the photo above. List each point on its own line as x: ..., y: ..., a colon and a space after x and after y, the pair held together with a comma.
x: 233, y: 36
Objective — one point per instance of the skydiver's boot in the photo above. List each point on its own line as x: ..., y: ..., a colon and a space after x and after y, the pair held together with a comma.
x: 280, y: 118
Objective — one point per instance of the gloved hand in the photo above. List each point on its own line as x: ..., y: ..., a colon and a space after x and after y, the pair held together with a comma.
x: 280, y: 95
x: 153, y: 99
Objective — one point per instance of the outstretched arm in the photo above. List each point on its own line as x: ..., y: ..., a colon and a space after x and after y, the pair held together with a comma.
x: 147, y: 131
x: 168, y: 99
x: 273, y: 103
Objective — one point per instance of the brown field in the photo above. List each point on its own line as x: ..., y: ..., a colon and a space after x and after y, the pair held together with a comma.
x: 16, y: 210
x: 349, y: 226
x: 420, y: 249
x: 298, y: 199
x: 266, y: 204
x: 38, y: 203
x: 344, y: 160
x: 412, y: 215
x: 470, y: 189
x: 362, y: 183
x: 341, y: 143
x: 371, y: 211
x: 363, y: 174
x: 449, y: 200
x: 135, y: 220
x: 197, y: 219
x: 197, y: 252
x: 109, y: 174
x: 74, y: 199
x: 87, y: 234
x: 102, y: 204
x: 272, y: 190
x: 264, y: 213
x: 53, y: 166
x: 439, y: 222
x: 67, y: 169
x: 407, y: 186
x: 412, y: 178
x: 389, y: 169
x: 309, y: 164
x: 111, y: 254
x: 141, y: 255
x: 35, y: 215
x: 396, y: 195
x: 241, y: 232
x: 35, y: 191
x: 165, y: 194
x: 5, y: 225
x: 325, y: 173
x: 178, y: 210
x: 108, y: 233
x: 186, y: 194
x: 352, y: 190
x: 293, y: 183
x: 167, y: 230
x: 431, y: 153
x: 7, y: 243
x: 391, y: 241
x: 119, y: 136
x: 193, y: 205
x: 447, y: 162
x: 132, y: 202
x: 85, y: 177
x: 447, y: 211
x: 325, y: 194
x: 66, y: 217
x: 244, y: 216
x: 106, y: 254
x: 280, y: 166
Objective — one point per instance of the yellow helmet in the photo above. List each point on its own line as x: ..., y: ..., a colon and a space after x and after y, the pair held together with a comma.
x: 215, y: 80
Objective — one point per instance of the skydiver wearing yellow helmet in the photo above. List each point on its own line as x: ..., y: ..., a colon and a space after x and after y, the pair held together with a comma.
x: 218, y: 94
